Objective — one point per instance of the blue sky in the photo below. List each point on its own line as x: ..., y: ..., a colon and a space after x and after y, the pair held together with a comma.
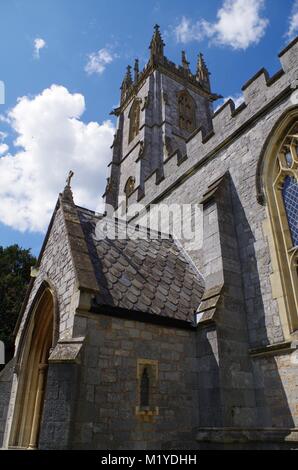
x: 51, y: 42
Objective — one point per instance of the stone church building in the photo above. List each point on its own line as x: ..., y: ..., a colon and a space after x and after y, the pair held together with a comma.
x: 140, y: 342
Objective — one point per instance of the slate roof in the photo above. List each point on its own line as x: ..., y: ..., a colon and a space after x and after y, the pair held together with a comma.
x: 145, y: 274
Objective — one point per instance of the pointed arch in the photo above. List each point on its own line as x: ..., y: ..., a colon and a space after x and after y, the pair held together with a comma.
x: 277, y: 185
x: 39, y: 337
x: 134, y: 119
x: 46, y: 284
x: 129, y: 188
x: 186, y: 111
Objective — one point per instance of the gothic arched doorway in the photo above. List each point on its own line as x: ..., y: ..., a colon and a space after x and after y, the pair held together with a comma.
x: 33, y: 365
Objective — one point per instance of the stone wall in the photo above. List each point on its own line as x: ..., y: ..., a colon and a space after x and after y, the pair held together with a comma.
x: 159, y: 129
x: 261, y: 308
x: 56, y: 266
x: 241, y: 161
x: 130, y: 165
x: 5, y: 388
x: 276, y: 381
x: 236, y: 147
x: 108, y: 393
x: 57, y: 426
x: 240, y: 157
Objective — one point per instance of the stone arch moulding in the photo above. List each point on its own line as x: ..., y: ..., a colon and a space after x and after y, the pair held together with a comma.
x: 39, y: 336
x: 273, y: 141
x: 277, y: 167
x: 45, y: 284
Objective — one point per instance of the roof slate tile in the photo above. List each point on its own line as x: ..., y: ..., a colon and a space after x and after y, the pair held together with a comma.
x: 146, y: 275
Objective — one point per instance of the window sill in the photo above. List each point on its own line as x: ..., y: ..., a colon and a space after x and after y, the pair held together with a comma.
x: 147, y: 410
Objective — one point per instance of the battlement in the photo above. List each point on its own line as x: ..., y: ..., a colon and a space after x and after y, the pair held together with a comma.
x: 261, y: 94
x: 166, y: 67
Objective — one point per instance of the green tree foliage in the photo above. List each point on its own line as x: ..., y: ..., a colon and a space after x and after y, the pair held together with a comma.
x: 15, y: 266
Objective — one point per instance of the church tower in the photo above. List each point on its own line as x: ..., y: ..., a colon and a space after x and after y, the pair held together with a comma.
x: 160, y: 107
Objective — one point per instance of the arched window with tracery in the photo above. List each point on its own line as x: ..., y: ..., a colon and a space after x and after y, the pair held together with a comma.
x: 134, y: 119
x: 187, y: 111
x: 280, y: 176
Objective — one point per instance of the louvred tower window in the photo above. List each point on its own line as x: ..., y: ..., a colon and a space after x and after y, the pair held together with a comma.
x: 187, y: 112
x: 134, y: 120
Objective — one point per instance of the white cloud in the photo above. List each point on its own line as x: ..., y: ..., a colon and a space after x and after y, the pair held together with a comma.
x: 293, y: 22
x: 239, y: 24
x: 52, y: 140
x: 39, y: 44
x: 97, y: 61
x: 3, y: 119
x: 238, y: 100
x: 186, y: 31
x: 3, y: 148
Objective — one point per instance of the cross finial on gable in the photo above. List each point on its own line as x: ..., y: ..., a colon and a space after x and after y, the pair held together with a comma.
x: 66, y: 195
x: 68, y: 179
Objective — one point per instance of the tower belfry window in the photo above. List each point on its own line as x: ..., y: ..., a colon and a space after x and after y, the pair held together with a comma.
x: 187, y: 112
x: 134, y: 120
